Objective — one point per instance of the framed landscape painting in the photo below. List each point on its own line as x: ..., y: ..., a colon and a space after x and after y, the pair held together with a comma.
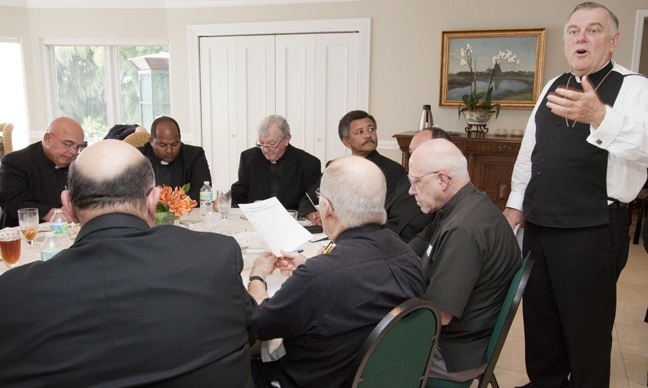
x: 512, y: 60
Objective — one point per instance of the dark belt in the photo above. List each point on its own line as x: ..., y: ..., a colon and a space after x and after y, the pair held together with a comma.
x: 616, y: 204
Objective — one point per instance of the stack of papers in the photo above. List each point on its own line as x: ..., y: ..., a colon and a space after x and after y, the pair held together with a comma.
x: 278, y: 229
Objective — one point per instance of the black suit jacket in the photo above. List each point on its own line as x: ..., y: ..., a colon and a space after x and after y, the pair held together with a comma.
x: 392, y: 170
x: 29, y: 179
x: 404, y: 216
x: 195, y: 169
x: 129, y: 305
x: 301, y: 171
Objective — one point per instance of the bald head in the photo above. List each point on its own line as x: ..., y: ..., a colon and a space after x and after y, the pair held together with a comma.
x: 439, y: 154
x: 437, y: 170
x: 419, y: 138
x: 426, y: 134
x: 356, y: 188
x: 63, y: 138
x: 111, y: 176
x: 107, y: 159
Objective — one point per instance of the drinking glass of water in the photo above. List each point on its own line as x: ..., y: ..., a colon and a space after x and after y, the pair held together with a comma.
x: 224, y: 202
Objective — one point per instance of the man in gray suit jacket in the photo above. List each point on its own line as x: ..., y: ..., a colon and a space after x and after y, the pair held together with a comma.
x: 127, y: 304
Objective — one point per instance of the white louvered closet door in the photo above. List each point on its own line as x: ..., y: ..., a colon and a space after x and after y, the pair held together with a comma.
x: 311, y: 79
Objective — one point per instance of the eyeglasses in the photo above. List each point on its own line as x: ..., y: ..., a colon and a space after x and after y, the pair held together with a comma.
x: 69, y: 144
x: 414, y: 180
x: 271, y: 146
x: 320, y: 195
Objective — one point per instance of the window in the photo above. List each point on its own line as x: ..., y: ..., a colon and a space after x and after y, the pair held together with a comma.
x: 100, y: 86
x: 13, y: 106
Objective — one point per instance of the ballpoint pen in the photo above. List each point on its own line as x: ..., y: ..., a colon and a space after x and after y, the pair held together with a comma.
x: 298, y: 250
x: 320, y: 239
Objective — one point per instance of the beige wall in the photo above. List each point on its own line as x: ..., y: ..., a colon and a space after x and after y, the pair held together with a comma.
x: 405, y: 46
x: 643, y: 59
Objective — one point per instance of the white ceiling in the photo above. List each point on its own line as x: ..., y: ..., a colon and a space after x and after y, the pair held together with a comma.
x: 150, y: 3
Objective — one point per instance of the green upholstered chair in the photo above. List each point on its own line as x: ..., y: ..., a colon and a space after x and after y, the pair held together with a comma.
x: 500, y: 331
x: 398, y: 352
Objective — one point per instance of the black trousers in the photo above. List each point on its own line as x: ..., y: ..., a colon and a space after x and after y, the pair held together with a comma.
x: 570, y: 301
x: 265, y: 373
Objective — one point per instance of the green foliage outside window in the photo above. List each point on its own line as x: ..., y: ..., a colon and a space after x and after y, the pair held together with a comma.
x: 82, y: 81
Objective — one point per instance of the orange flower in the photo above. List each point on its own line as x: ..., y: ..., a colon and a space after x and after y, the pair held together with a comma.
x: 175, y: 200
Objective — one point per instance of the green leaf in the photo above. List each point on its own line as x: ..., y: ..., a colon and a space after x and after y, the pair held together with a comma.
x: 497, y: 109
x: 186, y: 187
x: 159, y: 216
x: 487, y: 100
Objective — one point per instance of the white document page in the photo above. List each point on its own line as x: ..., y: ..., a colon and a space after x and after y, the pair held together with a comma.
x: 279, y: 230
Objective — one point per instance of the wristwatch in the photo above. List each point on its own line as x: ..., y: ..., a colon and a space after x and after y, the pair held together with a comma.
x: 259, y: 278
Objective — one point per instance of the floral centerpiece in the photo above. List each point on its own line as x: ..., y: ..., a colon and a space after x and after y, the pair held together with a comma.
x: 481, y: 101
x: 172, y: 203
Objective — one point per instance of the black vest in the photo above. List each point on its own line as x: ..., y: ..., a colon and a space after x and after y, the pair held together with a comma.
x: 567, y: 188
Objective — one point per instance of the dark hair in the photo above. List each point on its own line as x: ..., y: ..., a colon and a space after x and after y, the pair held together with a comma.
x: 127, y: 188
x: 163, y: 119
x: 345, y: 121
x: 437, y: 133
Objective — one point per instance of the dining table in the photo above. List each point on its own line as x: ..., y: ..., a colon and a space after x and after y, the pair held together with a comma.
x: 237, y: 226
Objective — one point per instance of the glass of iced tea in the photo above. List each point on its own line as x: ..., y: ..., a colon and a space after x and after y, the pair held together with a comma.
x: 10, y: 246
x: 28, y: 221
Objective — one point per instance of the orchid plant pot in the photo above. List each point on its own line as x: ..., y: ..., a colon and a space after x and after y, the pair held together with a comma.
x: 477, y: 117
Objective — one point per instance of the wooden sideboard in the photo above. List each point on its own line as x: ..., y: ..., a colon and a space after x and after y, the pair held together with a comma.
x: 490, y: 161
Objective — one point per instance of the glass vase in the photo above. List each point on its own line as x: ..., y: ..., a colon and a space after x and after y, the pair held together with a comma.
x: 166, y: 218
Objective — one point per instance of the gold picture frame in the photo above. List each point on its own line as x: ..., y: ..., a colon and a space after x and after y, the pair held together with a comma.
x: 518, y: 81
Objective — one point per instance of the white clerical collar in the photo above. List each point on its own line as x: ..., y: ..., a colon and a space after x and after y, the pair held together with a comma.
x: 578, y: 79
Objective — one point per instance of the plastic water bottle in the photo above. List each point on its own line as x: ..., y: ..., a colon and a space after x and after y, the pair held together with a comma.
x: 59, y: 224
x: 426, y: 117
x: 50, y: 246
x: 205, y: 199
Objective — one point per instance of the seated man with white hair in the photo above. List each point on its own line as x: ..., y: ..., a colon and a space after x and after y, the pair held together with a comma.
x: 469, y: 256
x: 274, y: 168
x: 332, y: 301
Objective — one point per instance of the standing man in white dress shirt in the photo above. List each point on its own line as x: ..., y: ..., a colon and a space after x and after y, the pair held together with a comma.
x: 583, y: 158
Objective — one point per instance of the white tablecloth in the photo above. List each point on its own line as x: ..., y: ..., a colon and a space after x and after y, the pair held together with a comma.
x: 251, y: 243
x: 237, y: 226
